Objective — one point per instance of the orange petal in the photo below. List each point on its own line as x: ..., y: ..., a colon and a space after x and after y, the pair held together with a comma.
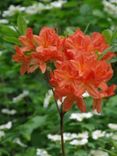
x: 97, y: 105
x: 92, y: 90
x: 67, y: 104
x: 81, y: 104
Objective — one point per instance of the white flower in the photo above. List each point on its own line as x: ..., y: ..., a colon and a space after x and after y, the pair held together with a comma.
x: 114, y: 137
x: 110, y: 7
x: 108, y: 135
x: 60, y: 102
x: 47, y: 98
x: 19, y: 142
x: 42, y: 152
x: 98, y: 134
x: 57, y: 4
x: 9, y: 112
x: 96, y: 113
x: 6, y: 126
x: 79, y: 142
x: 70, y: 136
x: 12, y: 10
x: 86, y: 94
x: 34, y: 9
x: 81, y: 116
x: 3, y: 21
x: 112, y: 126
x: 21, y: 96
x: 2, y: 134
x: 54, y: 137
x: 83, y: 135
x: 98, y: 153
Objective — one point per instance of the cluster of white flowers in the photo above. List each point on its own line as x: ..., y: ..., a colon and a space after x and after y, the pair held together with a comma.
x: 8, y: 112
x: 98, y: 134
x: 110, y: 7
x: 98, y: 153
x: 33, y: 9
x: 75, y: 139
x: 21, y: 96
x: 42, y: 152
x: 12, y: 10
x: 47, y: 98
x: 81, y: 116
x: 6, y: 126
x: 82, y: 139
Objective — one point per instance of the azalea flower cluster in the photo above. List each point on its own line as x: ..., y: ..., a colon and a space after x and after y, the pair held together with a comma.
x: 78, y: 68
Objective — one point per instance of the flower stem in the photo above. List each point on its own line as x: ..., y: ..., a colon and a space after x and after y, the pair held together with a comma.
x: 62, y: 132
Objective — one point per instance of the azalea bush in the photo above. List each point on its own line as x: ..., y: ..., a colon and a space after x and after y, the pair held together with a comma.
x: 70, y: 67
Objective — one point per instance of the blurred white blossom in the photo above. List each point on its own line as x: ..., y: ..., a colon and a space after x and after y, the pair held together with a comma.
x: 60, y: 102
x: 6, y: 126
x: 2, y: 134
x: 98, y: 134
x: 112, y: 126
x: 3, y: 21
x: 35, y: 8
x: 32, y: 9
x: 21, y: 96
x: 12, y: 10
x: 75, y: 139
x: 19, y: 142
x: 47, y: 98
x: 82, y: 139
x: 42, y: 152
x: 58, y: 4
x: 79, y: 142
x: 86, y: 94
x: 8, y: 112
x: 99, y: 153
x: 54, y: 137
x: 81, y: 116
x: 114, y: 137
x: 110, y: 7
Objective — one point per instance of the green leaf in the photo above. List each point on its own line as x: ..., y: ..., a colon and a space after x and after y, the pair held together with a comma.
x: 113, y: 60
x: 6, y: 30
x: 34, y: 123
x: 21, y: 23
x: 28, y: 152
x: 108, y: 35
x: 11, y: 39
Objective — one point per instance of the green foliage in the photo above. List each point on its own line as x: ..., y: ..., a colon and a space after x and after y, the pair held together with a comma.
x: 21, y: 23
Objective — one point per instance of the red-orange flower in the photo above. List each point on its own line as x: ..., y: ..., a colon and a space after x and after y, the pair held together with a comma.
x: 78, y: 68
x: 37, y: 49
x: 79, y: 43
x: 74, y: 77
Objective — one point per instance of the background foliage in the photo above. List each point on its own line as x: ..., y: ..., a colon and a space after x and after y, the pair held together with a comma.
x: 27, y: 128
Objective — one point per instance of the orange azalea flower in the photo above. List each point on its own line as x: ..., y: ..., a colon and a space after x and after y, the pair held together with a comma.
x: 78, y: 69
x: 47, y: 49
x: 28, y: 41
x: 74, y: 77
x: 79, y: 43
x: 38, y: 50
x: 100, y: 45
